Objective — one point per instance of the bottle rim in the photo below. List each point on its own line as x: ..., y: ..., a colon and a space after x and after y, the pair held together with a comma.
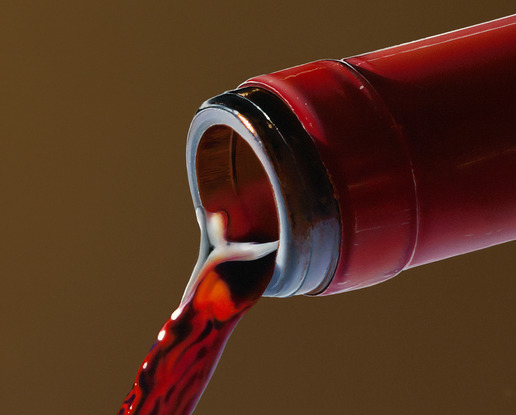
x: 307, y: 212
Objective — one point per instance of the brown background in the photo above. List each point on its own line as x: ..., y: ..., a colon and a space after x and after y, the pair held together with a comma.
x: 98, y: 235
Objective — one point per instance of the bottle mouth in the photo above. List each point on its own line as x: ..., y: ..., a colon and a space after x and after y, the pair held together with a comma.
x: 231, y: 178
x: 249, y: 157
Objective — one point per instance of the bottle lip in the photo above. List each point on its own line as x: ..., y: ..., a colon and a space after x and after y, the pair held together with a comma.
x: 308, y: 214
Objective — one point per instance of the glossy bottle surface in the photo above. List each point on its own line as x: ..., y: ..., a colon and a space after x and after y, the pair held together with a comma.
x: 420, y: 146
x: 453, y: 98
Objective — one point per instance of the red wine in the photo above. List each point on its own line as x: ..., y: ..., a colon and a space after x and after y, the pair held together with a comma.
x: 179, y: 365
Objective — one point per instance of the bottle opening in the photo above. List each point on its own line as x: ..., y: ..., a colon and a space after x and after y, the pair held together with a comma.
x: 249, y: 157
x: 231, y: 179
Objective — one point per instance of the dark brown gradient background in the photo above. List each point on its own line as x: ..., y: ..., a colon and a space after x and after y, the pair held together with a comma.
x: 98, y: 235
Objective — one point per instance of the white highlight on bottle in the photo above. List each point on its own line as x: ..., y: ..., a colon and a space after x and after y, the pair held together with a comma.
x: 176, y: 313
x: 161, y: 335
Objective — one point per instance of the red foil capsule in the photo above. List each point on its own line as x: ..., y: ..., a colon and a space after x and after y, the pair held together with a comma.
x: 417, y: 141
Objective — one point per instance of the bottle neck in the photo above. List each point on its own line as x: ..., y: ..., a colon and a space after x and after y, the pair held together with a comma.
x: 367, y: 160
x: 418, y: 140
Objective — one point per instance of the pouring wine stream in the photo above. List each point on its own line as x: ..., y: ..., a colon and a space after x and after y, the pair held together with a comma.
x: 227, y: 280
